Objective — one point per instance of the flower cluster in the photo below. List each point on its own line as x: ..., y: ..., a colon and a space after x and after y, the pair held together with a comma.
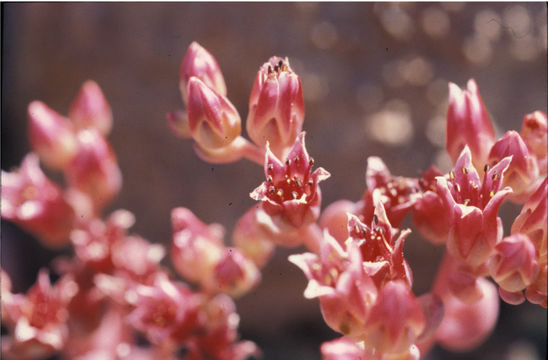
x: 114, y: 299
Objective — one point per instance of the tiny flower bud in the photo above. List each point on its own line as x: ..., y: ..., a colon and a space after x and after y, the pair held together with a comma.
x: 94, y: 170
x: 468, y: 123
x: 51, y: 135
x: 90, y: 109
x: 212, y: 119
x: 200, y: 63
x: 514, y: 266
x: 252, y: 239
x: 276, y: 106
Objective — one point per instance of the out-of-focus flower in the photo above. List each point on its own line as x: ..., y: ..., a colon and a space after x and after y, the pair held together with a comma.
x: 90, y: 109
x: 514, y: 265
x: 334, y: 218
x: 534, y: 131
x: 252, y: 239
x: 276, y: 106
x: 51, y: 135
x: 396, y: 319
x: 94, y: 169
x: 198, y: 62
x: 468, y: 124
x: 196, y: 247
x: 343, y: 349
x: 464, y: 325
x: 212, y: 119
x: 522, y: 174
x: 35, y: 203
x: 290, y: 195
x: 473, y: 205
x: 165, y: 310
x: 337, y: 277
x: 398, y: 194
x: 40, y: 317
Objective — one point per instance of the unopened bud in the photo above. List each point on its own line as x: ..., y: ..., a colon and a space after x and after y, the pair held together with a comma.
x: 90, y: 109
x: 212, y: 119
x: 50, y: 135
x: 276, y: 106
x: 198, y: 62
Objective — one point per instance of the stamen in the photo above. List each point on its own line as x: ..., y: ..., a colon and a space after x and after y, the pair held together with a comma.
x: 464, y: 171
x: 375, y: 219
x: 288, y: 162
x: 311, y: 161
x: 451, y: 175
x: 271, y: 189
x: 296, y: 159
x: 495, y: 176
x: 270, y: 167
x: 466, y: 202
x: 294, y: 195
x: 486, y: 168
x: 280, y: 192
x: 269, y: 178
x: 491, y: 194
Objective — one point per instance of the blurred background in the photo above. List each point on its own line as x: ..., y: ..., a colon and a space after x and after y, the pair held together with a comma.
x: 375, y: 83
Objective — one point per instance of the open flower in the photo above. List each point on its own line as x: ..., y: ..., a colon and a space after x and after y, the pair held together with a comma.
x: 276, y: 106
x: 40, y: 319
x: 473, y: 206
x: 468, y: 124
x: 35, y: 203
x: 291, y: 195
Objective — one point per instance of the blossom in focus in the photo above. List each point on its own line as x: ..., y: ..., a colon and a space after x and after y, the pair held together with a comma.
x: 291, y: 195
x: 468, y: 124
x: 51, y: 135
x: 90, y: 109
x: 35, y: 203
x: 276, y: 106
x: 473, y: 206
x: 213, y: 121
x: 337, y: 277
x: 514, y: 265
x: 522, y: 174
x: 40, y: 319
x: 198, y: 62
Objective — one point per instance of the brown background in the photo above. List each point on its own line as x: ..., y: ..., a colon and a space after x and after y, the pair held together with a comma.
x: 375, y: 82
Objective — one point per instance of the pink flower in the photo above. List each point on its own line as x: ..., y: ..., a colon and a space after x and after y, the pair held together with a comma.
x: 90, y: 109
x: 430, y: 206
x: 213, y: 121
x: 51, y: 135
x: 398, y: 194
x: 514, y: 265
x: 334, y: 218
x: 522, y: 174
x: 473, y: 206
x: 196, y: 247
x: 291, y: 195
x: 343, y: 349
x: 94, y: 170
x: 534, y: 131
x: 252, y: 239
x: 337, y: 277
x: 396, y: 319
x: 468, y: 123
x: 198, y: 62
x: 40, y: 317
x: 35, y: 203
x: 165, y: 310
x: 465, y: 325
x: 276, y: 106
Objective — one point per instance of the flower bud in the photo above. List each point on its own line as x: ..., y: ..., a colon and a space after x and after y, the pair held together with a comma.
x: 468, y: 123
x: 35, y: 203
x: 90, y: 109
x: 51, y: 135
x: 200, y: 63
x: 252, y: 239
x: 514, y: 266
x: 94, y: 170
x: 522, y: 174
x: 212, y: 119
x: 276, y: 106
